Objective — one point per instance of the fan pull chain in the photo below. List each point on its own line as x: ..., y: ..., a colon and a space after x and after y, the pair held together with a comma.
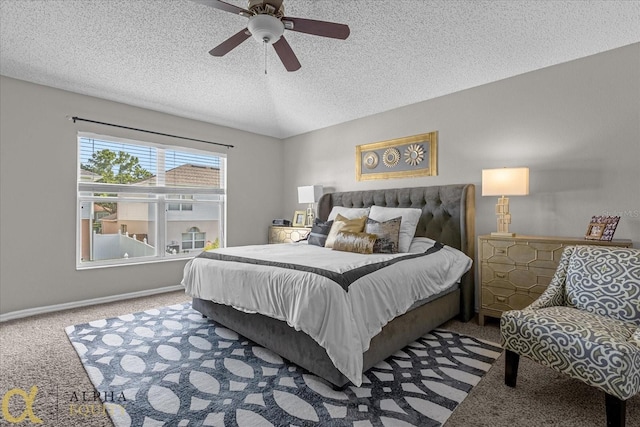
x: 265, y: 56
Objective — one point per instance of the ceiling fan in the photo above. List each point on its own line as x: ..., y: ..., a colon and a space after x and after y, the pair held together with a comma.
x: 267, y: 23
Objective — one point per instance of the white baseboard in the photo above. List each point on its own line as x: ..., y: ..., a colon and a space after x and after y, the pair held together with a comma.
x: 95, y: 301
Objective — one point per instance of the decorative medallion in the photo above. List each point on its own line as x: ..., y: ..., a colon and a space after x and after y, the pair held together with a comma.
x: 414, y: 154
x: 370, y: 160
x: 391, y: 157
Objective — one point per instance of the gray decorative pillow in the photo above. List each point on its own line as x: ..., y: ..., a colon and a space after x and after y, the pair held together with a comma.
x: 388, y: 233
x: 319, y: 232
x: 361, y: 243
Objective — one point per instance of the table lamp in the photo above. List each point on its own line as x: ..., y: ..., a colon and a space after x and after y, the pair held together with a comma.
x: 309, y: 194
x: 504, y: 182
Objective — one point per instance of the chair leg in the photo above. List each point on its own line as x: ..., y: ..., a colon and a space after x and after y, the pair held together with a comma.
x: 616, y: 411
x: 511, y: 368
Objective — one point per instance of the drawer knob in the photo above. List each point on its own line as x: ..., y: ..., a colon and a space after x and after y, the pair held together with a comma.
x: 501, y: 275
x: 501, y: 299
x: 501, y: 251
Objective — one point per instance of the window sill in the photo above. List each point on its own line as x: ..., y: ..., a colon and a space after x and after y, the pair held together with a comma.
x: 136, y: 261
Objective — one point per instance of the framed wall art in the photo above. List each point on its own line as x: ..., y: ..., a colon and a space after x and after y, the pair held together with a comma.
x: 407, y: 157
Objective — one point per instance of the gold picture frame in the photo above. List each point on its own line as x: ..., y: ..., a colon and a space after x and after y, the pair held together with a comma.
x: 595, y: 230
x: 299, y: 218
x: 408, y: 157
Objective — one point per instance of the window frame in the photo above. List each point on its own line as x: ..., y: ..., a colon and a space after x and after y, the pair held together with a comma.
x: 160, y: 195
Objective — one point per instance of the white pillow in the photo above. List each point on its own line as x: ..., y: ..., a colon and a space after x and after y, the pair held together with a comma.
x: 349, y: 213
x: 410, y: 218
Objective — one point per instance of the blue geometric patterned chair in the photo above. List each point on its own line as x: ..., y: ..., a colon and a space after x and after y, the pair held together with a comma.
x: 586, y: 325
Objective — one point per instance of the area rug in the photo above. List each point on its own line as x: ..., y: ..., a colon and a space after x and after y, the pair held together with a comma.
x: 171, y: 366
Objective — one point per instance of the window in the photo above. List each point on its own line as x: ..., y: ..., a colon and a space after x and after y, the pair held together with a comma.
x: 180, y: 206
x: 142, y: 202
x: 194, y: 239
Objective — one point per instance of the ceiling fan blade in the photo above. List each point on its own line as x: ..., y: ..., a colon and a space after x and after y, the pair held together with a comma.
x: 317, y: 28
x: 288, y: 58
x: 217, y: 4
x: 231, y: 43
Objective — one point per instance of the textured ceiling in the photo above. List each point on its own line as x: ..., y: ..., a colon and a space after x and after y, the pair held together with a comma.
x: 153, y: 54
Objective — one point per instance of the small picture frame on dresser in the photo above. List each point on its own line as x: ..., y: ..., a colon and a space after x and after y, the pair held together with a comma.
x: 298, y: 218
x: 610, y: 224
x: 595, y: 230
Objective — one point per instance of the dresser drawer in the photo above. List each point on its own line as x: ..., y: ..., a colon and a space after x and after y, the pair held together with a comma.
x: 534, y: 254
x: 502, y: 299
x: 507, y: 276
x: 512, y: 286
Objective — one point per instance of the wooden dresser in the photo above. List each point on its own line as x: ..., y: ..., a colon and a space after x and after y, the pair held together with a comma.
x: 514, y: 271
x: 280, y: 234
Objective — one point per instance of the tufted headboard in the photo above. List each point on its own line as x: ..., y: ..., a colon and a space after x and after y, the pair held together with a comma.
x: 448, y: 216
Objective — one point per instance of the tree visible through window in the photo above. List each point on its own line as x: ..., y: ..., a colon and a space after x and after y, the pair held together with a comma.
x: 131, y: 201
x: 116, y: 167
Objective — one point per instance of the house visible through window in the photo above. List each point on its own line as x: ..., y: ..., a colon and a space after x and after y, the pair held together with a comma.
x: 140, y: 202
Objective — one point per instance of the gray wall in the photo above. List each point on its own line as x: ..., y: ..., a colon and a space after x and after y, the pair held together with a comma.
x: 575, y: 125
x: 38, y: 192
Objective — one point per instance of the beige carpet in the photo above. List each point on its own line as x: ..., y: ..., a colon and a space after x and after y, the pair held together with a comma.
x: 36, y: 352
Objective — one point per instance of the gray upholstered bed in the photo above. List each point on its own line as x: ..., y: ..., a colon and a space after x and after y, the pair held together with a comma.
x: 448, y: 216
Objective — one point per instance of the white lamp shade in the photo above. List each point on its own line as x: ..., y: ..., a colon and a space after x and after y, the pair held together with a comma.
x: 505, y: 182
x: 309, y: 193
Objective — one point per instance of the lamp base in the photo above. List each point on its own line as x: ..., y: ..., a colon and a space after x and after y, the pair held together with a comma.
x: 503, y: 218
x: 309, y: 217
x: 502, y: 234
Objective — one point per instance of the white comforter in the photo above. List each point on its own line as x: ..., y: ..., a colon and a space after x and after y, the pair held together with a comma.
x: 342, y: 322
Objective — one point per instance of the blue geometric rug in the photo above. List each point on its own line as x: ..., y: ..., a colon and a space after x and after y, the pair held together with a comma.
x: 169, y: 366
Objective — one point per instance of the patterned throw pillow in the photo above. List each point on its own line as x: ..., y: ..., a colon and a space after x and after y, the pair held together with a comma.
x: 341, y: 223
x: 388, y: 233
x: 319, y: 232
x: 361, y: 243
x: 410, y: 219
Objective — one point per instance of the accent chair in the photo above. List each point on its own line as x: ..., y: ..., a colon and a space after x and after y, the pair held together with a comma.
x: 586, y: 324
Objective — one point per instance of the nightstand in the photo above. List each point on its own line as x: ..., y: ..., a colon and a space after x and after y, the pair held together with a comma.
x: 514, y: 271
x: 280, y: 234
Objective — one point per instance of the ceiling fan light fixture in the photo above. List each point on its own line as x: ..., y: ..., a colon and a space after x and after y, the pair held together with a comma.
x: 266, y: 25
x: 265, y: 28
